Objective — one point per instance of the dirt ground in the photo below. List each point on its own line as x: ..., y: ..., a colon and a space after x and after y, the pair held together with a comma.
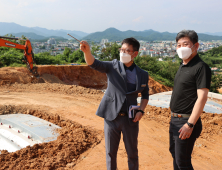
x: 220, y: 90
x: 62, y: 99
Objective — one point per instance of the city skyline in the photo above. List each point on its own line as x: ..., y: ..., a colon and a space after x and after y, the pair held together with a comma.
x: 93, y: 16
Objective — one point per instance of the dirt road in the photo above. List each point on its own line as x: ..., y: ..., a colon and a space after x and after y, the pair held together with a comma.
x: 79, y: 104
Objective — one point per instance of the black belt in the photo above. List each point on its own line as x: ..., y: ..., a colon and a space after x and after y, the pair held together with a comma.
x: 179, y: 115
x: 122, y: 114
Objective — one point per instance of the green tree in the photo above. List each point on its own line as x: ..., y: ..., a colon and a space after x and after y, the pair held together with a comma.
x: 66, y: 54
x: 10, y: 56
x: 42, y: 47
x: 21, y: 41
x: 147, y: 63
x: 46, y: 58
x: 215, y: 82
x: 110, y: 52
x: 77, y: 57
x: 95, y: 50
x: 162, y: 71
x: 10, y: 36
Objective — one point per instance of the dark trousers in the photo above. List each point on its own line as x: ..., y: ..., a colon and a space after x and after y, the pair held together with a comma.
x: 181, y: 150
x: 112, y: 130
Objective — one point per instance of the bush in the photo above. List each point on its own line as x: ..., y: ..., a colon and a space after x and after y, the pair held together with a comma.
x: 215, y: 83
x: 161, y: 71
x: 77, y: 57
x: 10, y: 56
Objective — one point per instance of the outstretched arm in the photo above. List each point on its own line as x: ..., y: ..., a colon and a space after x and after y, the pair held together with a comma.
x: 101, y: 66
x: 84, y: 46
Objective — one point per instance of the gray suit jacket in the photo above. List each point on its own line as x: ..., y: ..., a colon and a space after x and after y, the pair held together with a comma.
x: 116, y: 92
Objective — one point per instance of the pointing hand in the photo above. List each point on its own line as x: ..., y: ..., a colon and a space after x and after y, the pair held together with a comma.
x: 84, y: 46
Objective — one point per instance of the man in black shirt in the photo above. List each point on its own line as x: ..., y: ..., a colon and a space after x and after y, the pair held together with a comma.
x: 191, y: 86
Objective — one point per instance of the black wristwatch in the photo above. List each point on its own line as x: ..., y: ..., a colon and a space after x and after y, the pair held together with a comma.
x: 141, y: 111
x: 190, y: 125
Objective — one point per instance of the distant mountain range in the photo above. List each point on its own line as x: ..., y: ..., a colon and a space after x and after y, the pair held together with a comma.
x: 36, y: 32
x: 36, y: 37
x: 216, y: 33
x: 112, y: 34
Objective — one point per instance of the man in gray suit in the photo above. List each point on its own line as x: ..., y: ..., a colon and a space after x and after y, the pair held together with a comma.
x: 125, y: 81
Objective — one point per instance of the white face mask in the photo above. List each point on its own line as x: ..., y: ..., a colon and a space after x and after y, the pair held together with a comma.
x: 184, y: 52
x: 125, y: 58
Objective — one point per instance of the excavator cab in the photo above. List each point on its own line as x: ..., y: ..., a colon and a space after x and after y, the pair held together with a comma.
x: 28, y: 53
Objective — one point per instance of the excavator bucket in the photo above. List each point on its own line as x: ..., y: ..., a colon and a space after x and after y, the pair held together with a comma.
x: 30, y: 63
x: 28, y: 54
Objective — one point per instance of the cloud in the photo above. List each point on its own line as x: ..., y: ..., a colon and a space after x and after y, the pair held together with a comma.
x: 138, y: 19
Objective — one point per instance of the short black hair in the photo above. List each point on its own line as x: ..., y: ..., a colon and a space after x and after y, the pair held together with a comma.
x: 191, y: 34
x: 132, y: 41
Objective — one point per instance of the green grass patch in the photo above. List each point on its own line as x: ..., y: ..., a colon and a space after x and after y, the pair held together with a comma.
x: 161, y: 80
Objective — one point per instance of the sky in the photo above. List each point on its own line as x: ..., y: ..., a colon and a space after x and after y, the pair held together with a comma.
x: 97, y: 15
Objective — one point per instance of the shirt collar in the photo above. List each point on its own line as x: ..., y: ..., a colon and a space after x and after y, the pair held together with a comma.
x: 131, y: 67
x: 192, y: 61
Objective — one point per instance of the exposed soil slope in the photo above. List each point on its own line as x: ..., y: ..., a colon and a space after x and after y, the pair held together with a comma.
x: 220, y: 90
x: 70, y: 75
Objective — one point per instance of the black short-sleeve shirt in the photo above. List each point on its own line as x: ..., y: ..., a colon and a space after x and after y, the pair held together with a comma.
x: 190, y: 77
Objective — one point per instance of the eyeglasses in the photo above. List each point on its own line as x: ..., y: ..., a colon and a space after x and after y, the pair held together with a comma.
x: 125, y: 50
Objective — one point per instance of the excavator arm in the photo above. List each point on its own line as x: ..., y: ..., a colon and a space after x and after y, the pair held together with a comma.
x: 28, y: 54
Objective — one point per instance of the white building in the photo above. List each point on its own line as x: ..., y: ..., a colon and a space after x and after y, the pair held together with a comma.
x: 51, y: 41
x: 36, y: 50
x: 103, y: 41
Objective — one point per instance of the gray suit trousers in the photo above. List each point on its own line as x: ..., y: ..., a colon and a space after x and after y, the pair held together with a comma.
x: 112, y: 130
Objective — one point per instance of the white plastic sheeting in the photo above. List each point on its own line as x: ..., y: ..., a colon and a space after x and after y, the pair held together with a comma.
x: 163, y: 100
x: 21, y: 141
x: 6, y: 144
x: 19, y: 130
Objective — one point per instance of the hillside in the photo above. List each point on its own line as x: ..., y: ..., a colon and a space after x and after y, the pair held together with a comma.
x: 213, y: 57
x: 35, y: 37
x: 113, y: 34
x: 13, y: 28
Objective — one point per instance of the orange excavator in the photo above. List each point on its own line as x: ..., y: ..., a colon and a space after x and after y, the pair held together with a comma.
x: 28, y: 54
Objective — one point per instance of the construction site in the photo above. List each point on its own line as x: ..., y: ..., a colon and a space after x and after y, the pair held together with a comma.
x: 48, y: 121
x: 67, y: 97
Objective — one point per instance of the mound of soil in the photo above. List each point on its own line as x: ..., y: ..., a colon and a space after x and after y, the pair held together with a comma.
x: 9, y: 75
x: 48, y: 78
x: 155, y: 87
x: 69, y: 75
x: 212, y: 123
x: 62, y: 153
